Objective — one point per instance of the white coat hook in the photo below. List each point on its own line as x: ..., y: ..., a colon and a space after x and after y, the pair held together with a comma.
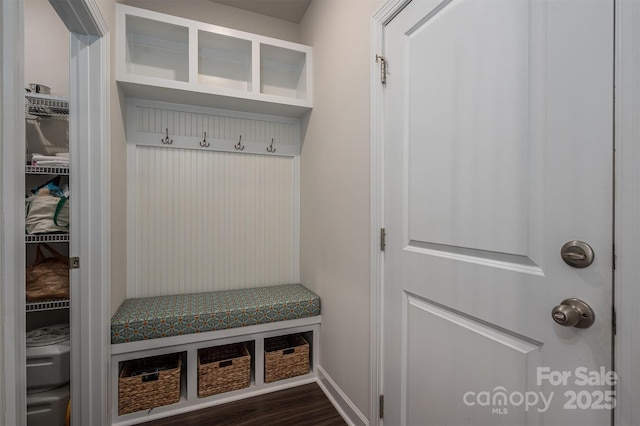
x: 203, y: 142
x: 270, y: 148
x: 166, y: 140
x: 239, y: 145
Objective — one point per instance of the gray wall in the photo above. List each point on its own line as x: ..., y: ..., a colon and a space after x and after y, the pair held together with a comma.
x: 46, y: 42
x: 335, y: 213
x: 335, y: 189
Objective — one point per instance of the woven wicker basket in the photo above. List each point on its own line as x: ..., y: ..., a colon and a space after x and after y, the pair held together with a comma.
x: 285, y: 357
x: 223, y: 369
x: 149, y: 382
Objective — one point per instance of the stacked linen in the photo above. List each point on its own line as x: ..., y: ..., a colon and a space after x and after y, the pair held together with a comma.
x: 58, y: 160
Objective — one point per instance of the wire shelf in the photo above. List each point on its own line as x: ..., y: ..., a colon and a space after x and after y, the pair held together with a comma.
x: 37, y: 170
x: 45, y: 105
x: 47, y: 305
x: 47, y: 238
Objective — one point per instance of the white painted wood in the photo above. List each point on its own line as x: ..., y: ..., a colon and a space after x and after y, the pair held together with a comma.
x: 12, y: 260
x: 89, y: 136
x: 189, y: 344
x: 208, y: 221
x: 81, y: 17
x: 472, y: 264
x: 627, y: 230
x: 427, y: 404
x: 340, y: 400
x: 148, y: 123
x: 177, y: 341
x: 231, y: 69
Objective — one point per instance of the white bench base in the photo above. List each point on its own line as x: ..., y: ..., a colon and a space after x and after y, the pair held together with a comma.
x: 190, y: 344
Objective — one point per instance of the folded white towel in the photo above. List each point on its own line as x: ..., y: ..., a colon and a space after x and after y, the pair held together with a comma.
x: 40, y: 157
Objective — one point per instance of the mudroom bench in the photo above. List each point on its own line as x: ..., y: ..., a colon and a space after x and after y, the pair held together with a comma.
x: 185, y: 327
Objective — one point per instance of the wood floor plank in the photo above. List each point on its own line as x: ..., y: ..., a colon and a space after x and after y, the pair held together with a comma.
x: 302, y: 405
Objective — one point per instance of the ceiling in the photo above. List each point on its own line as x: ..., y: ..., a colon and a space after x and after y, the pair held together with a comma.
x: 288, y: 10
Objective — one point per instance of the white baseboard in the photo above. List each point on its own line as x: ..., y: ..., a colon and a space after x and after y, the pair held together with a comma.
x: 347, y: 409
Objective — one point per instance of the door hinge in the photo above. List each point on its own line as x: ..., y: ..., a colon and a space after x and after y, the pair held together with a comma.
x: 383, y: 68
x: 74, y: 262
x: 383, y: 239
x: 381, y: 406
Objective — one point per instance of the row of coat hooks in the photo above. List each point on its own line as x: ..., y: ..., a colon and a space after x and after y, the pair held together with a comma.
x: 204, y: 144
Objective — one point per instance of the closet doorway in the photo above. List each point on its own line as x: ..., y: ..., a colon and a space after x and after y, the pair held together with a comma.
x: 89, y: 231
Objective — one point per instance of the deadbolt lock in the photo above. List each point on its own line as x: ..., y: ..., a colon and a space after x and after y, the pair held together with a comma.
x: 577, y: 254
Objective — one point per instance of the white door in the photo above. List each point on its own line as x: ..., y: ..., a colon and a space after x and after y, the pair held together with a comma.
x: 498, y: 151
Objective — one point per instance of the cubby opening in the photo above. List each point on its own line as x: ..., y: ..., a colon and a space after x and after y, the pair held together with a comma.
x: 224, y: 61
x: 151, y: 382
x: 283, y: 72
x: 157, y: 49
x: 225, y: 368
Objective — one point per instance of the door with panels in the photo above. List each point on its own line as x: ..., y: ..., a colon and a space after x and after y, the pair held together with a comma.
x: 498, y: 151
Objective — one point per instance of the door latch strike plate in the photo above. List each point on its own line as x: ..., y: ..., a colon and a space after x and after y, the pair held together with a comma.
x: 74, y: 262
x: 383, y: 68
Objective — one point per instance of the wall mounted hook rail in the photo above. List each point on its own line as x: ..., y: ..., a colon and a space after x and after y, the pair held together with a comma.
x: 239, y: 145
x: 166, y: 140
x: 270, y: 148
x: 203, y: 142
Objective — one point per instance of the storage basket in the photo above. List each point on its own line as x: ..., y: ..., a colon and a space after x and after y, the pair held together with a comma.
x: 285, y: 357
x: 223, y: 369
x: 149, y: 382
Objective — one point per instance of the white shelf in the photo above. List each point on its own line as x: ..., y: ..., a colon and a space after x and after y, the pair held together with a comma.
x: 47, y: 238
x: 283, y: 72
x: 165, y: 58
x: 45, y: 105
x: 47, y: 305
x: 224, y: 61
x: 37, y: 170
x: 157, y: 49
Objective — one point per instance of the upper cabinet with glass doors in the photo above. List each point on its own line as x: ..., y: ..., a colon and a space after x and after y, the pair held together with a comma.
x: 166, y: 58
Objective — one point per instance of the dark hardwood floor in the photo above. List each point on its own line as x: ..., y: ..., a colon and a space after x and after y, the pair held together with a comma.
x: 302, y: 405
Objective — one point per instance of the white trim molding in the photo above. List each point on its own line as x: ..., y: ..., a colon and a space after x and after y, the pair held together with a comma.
x: 90, y: 286
x: 12, y: 258
x: 89, y: 132
x: 627, y: 211
x: 347, y: 409
x: 81, y: 17
x: 379, y: 20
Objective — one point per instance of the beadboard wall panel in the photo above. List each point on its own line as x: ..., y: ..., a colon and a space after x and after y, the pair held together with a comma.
x: 191, y: 124
x: 208, y: 221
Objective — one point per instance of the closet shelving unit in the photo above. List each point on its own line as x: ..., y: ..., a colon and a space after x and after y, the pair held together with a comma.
x: 38, y: 105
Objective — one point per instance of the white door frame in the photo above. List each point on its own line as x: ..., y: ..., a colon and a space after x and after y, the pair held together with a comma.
x: 627, y: 211
x: 626, y: 205
x: 89, y: 142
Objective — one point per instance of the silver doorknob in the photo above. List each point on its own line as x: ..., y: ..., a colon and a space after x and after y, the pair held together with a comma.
x: 573, y: 312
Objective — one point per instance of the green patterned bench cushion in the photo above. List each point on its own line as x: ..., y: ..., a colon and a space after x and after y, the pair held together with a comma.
x: 164, y: 316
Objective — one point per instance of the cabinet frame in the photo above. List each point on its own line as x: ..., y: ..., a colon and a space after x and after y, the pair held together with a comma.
x: 191, y: 343
x: 272, y: 92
